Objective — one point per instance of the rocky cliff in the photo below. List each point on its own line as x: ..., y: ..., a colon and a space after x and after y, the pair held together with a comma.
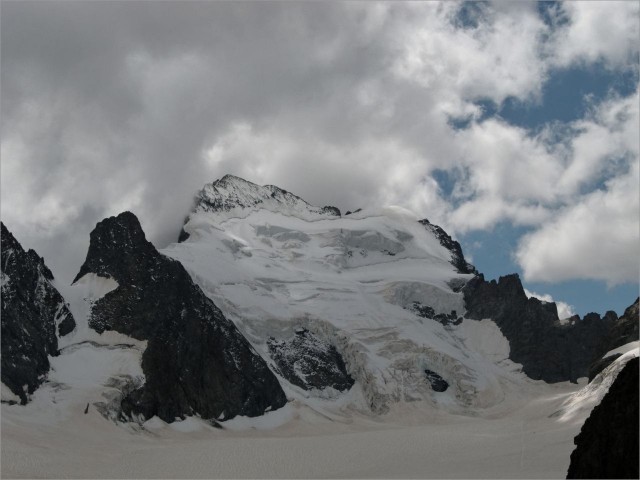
x: 607, y: 445
x: 32, y: 312
x: 547, y: 349
x: 623, y: 331
x: 457, y: 257
x: 196, y: 360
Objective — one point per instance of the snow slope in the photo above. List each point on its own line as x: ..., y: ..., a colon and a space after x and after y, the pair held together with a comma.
x: 408, y: 443
x: 92, y: 368
x: 273, y: 266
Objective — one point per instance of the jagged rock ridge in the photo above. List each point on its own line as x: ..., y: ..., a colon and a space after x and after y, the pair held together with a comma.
x: 547, y: 349
x: 32, y: 310
x: 607, y: 445
x: 426, y: 311
x: 309, y: 362
x: 457, y: 257
x: 196, y: 361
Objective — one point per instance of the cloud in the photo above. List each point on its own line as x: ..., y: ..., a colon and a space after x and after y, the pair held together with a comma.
x: 109, y: 106
x: 436, y: 53
x: 596, y: 238
x: 564, y: 309
x: 604, y: 141
x: 326, y: 171
x: 593, y: 32
x: 593, y: 235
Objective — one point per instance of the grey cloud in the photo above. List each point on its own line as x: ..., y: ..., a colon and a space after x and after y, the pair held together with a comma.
x: 106, y: 99
x: 112, y: 105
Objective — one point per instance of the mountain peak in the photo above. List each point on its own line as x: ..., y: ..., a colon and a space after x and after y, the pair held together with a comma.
x: 228, y: 178
x: 111, y: 241
x: 232, y: 196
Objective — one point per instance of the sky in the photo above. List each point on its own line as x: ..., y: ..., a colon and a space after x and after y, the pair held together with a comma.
x: 513, y: 125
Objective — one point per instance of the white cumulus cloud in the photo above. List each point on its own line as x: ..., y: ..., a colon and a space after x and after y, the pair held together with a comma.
x: 606, y: 31
x: 596, y: 238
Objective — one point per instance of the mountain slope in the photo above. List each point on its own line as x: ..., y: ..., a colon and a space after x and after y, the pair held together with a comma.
x: 195, y: 361
x: 34, y: 314
x: 370, y: 282
x: 379, y: 286
x: 233, y: 195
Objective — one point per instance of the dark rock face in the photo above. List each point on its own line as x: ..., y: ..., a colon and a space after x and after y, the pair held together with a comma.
x: 329, y: 210
x: 457, y: 258
x: 425, y: 311
x: 309, y: 362
x: 624, y: 330
x: 607, y: 445
x: 183, y: 236
x: 196, y: 361
x: 546, y: 349
x: 438, y: 384
x: 31, y: 309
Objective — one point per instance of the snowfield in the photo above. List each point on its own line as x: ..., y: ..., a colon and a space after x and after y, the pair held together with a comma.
x: 518, y: 439
x: 353, y: 281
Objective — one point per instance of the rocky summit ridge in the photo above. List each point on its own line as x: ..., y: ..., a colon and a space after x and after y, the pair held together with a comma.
x: 233, y: 195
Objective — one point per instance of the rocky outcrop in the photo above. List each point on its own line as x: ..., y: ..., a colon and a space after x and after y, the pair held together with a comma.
x: 547, y: 349
x: 624, y: 330
x: 196, y: 360
x: 607, y: 445
x: 329, y: 210
x: 438, y: 384
x: 32, y: 310
x: 457, y: 257
x: 309, y: 362
x: 425, y: 311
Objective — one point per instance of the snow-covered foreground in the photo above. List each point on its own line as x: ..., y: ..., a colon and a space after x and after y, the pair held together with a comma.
x: 524, y: 440
x: 524, y: 436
